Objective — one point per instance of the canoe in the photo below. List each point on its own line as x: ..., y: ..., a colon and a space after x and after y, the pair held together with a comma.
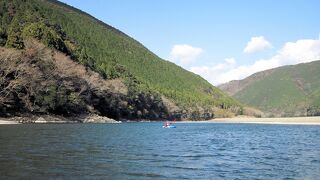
x: 170, y: 126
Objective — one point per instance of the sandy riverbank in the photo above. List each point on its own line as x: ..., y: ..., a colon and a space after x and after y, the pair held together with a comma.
x: 283, y: 120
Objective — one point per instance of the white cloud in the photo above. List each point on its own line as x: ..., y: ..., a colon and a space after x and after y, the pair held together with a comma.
x: 184, y: 54
x: 213, y: 73
x: 230, y: 60
x: 257, y: 44
x: 291, y: 53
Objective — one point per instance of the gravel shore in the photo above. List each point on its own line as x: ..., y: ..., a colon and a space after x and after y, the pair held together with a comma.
x: 47, y: 119
x: 7, y: 122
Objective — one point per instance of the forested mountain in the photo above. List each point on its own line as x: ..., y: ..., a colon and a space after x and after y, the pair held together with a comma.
x: 285, y: 91
x: 152, y: 85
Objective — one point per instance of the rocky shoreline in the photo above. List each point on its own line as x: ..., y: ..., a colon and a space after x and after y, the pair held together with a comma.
x: 54, y: 119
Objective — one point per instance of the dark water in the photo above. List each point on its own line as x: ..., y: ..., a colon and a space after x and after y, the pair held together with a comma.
x: 148, y: 151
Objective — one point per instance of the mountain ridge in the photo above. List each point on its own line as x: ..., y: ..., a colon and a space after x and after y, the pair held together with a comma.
x: 290, y: 90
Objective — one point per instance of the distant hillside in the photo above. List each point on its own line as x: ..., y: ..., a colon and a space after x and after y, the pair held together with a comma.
x: 115, y: 56
x: 284, y: 91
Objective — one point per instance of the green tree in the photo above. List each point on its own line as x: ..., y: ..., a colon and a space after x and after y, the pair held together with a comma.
x: 46, y: 34
x: 3, y: 37
x: 15, y: 40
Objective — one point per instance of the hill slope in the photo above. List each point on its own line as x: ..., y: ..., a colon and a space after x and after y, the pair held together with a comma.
x: 285, y: 91
x: 114, y: 55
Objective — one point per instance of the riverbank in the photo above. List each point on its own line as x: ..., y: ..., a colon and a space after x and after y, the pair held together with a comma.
x: 2, y: 121
x: 53, y: 119
x: 100, y: 119
x: 282, y: 120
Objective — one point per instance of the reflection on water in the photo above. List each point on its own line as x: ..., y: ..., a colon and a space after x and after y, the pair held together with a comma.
x: 148, y: 151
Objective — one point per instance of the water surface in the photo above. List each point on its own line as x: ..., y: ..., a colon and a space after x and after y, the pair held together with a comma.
x: 148, y: 151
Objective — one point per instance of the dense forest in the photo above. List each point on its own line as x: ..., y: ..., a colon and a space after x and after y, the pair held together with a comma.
x: 109, y: 52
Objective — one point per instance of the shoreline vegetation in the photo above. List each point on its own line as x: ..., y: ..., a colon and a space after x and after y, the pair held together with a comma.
x: 315, y: 120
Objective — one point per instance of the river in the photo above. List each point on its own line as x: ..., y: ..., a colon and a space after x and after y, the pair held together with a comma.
x: 148, y: 151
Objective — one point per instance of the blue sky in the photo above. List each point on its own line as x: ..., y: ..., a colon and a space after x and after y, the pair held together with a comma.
x: 208, y: 37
